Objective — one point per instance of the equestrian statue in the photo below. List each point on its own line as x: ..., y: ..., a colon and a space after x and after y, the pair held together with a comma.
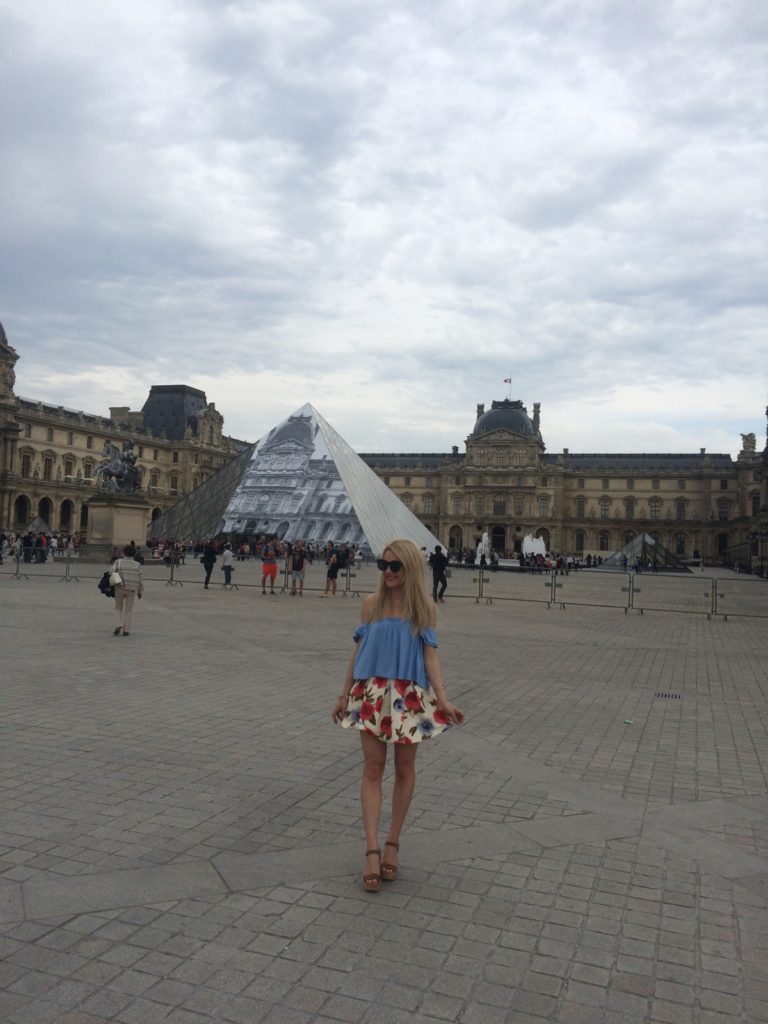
x: 120, y: 472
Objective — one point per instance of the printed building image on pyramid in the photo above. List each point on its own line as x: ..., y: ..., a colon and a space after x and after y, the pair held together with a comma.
x: 302, y: 481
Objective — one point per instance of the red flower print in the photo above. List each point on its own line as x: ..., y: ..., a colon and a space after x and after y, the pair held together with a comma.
x: 402, y: 685
x: 385, y: 726
x: 358, y: 690
x: 413, y: 701
x: 379, y: 682
x: 379, y: 702
x: 440, y: 716
x: 367, y: 711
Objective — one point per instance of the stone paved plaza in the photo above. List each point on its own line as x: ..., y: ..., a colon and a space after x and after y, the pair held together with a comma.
x: 180, y: 837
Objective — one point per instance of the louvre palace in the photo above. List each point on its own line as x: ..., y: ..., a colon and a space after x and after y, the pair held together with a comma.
x: 505, y: 483
x: 49, y: 454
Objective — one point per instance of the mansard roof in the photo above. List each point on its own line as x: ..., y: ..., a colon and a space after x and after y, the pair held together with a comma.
x: 640, y: 462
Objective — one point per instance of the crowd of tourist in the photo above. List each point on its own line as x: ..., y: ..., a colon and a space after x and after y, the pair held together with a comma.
x: 39, y: 546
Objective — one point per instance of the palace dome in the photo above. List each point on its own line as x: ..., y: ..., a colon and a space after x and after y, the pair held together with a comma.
x: 506, y: 415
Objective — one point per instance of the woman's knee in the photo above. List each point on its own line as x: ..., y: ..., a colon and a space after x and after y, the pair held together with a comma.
x: 373, y: 769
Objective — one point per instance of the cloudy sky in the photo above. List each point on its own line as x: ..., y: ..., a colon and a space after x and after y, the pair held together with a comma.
x: 387, y: 207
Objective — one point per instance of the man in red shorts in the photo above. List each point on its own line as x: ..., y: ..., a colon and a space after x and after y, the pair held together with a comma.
x: 268, y: 566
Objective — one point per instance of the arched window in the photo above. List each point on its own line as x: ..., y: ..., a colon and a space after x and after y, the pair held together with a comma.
x: 499, y: 505
x: 70, y: 437
x: 722, y: 510
x: 629, y: 505
x: 581, y: 508
x: 579, y: 542
x: 604, y: 540
x: 680, y: 509
x: 543, y: 506
x: 655, y: 507
x: 27, y: 430
x: 174, y: 484
x: 89, y: 442
x: 456, y: 503
x: 21, y: 514
x: 605, y: 508
x: 49, y: 434
x: 680, y: 544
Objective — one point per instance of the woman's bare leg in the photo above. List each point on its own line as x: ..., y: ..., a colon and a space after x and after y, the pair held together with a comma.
x: 402, y: 793
x: 374, y: 759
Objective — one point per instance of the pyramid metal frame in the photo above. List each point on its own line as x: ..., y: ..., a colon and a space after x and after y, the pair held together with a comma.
x: 301, y: 481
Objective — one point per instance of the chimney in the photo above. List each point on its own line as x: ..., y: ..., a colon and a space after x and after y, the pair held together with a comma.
x: 454, y: 449
x: 480, y: 410
x: 536, y: 415
x: 702, y: 451
x: 565, y: 451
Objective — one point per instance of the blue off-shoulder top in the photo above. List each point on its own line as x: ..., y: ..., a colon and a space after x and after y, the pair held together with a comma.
x: 389, y: 648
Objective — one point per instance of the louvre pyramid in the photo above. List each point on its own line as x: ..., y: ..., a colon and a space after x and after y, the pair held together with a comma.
x: 650, y: 552
x: 302, y: 481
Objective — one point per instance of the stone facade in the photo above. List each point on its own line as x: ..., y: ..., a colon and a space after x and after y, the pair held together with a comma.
x: 48, y: 454
x: 507, y: 485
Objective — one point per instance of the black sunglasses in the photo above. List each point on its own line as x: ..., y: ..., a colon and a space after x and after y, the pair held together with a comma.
x: 393, y: 566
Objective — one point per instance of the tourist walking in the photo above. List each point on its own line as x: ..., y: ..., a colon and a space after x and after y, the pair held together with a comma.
x: 332, y: 570
x: 208, y: 558
x: 394, y: 694
x: 298, y: 561
x: 269, y: 553
x: 438, y: 563
x: 227, y: 558
x: 132, y: 586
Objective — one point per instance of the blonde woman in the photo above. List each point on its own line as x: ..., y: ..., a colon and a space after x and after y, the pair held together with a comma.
x: 393, y: 694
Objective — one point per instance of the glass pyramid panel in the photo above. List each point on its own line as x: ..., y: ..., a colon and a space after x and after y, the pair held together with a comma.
x: 197, y: 515
x: 302, y: 481
x: 649, y: 551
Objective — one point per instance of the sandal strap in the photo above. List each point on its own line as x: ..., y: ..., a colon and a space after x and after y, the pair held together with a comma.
x: 396, y: 845
x: 369, y: 852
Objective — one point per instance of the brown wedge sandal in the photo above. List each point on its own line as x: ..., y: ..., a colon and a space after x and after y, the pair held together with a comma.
x: 371, y: 883
x: 389, y: 871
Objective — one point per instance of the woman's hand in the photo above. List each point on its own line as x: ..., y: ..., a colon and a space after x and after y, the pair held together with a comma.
x: 455, y: 716
x: 339, y: 709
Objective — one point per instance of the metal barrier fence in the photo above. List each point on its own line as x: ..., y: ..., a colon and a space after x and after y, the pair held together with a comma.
x: 741, y: 597
x: 651, y: 592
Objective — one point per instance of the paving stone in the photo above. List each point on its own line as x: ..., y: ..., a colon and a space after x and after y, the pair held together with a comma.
x: 198, y: 864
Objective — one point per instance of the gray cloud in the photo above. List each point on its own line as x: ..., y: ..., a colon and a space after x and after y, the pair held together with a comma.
x: 341, y: 195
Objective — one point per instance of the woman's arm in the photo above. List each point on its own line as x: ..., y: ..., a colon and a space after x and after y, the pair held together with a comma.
x: 340, y: 707
x: 435, y: 677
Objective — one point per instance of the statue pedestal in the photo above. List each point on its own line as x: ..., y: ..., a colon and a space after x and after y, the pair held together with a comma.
x: 114, y: 519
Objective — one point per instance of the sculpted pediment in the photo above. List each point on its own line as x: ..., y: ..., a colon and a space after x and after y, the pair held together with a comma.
x: 499, y: 436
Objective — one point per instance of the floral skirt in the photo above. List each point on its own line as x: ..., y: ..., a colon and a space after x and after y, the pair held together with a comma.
x: 394, y: 710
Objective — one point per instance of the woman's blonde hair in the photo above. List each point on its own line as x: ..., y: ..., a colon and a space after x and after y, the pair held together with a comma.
x: 417, y: 607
